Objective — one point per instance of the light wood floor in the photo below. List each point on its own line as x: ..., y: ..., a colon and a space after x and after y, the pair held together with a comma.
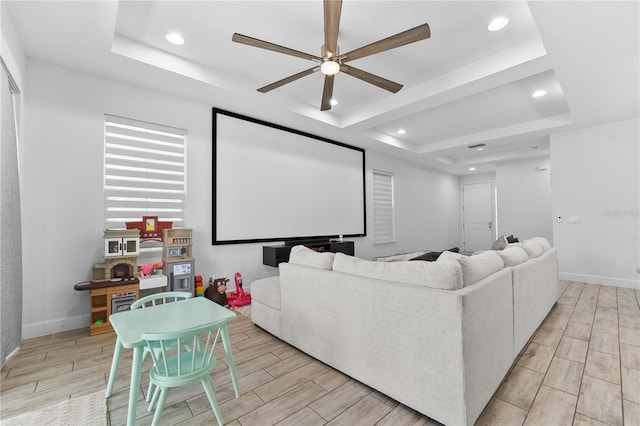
x: 582, y: 367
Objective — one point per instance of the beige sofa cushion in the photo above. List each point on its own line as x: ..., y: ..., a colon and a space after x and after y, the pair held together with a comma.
x: 267, y: 291
x: 301, y: 255
x: 441, y: 275
x: 476, y: 267
x: 543, y: 242
x: 512, y: 255
x: 533, y: 248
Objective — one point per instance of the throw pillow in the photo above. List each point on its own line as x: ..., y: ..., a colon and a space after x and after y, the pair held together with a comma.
x: 511, y: 239
x: 500, y: 243
x: 301, y: 255
x: 440, y: 275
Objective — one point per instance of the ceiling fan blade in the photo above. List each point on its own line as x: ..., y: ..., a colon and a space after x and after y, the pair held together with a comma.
x: 371, y: 78
x: 332, y: 10
x: 418, y: 33
x: 250, y: 41
x: 327, y: 93
x: 291, y: 78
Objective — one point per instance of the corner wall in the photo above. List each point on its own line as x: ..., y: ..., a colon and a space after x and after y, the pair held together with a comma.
x: 595, y: 177
x: 524, y: 199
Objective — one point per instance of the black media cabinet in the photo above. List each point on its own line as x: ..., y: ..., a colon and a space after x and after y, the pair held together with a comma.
x: 274, y: 255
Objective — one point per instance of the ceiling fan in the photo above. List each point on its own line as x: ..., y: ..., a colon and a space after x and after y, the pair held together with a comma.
x: 331, y: 61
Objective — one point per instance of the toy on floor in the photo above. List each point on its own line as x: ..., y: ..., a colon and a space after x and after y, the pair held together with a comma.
x: 199, y: 286
x: 217, y: 291
x: 239, y: 297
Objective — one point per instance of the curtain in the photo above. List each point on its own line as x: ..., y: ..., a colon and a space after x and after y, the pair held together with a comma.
x: 10, y: 224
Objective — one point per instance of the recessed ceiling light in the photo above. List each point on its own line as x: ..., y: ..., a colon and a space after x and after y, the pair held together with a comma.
x: 401, y: 131
x: 333, y: 102
x: 175, y: 38
x: 471, y: 169
x: 479, y: 149
x: 539, y: 93
x: 498, y: 23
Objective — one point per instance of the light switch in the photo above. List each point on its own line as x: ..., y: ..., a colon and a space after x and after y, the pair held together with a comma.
x: 574, y: 219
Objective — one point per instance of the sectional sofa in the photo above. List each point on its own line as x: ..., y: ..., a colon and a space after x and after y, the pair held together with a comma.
x: 437, y: 336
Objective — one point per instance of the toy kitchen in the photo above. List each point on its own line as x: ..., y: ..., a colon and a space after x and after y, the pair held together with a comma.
x: 116, y: 283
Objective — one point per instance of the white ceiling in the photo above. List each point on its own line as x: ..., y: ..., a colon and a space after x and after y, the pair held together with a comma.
x: 463, y: 86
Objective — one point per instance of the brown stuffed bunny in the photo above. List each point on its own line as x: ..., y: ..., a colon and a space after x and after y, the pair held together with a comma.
x: 217, y: 290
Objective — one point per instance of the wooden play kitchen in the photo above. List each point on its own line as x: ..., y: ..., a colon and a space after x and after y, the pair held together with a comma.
x: 107, y: 300
x: 115, y: 283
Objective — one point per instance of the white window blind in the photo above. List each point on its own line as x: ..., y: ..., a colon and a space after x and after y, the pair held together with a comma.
x: 144, y: 172
x: 383, y: 208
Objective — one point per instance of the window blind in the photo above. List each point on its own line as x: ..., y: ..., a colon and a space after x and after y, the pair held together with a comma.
x: 383, y: 208
x: 144, y: 172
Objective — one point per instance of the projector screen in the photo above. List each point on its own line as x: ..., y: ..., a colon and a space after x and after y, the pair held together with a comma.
x: 273, y: 183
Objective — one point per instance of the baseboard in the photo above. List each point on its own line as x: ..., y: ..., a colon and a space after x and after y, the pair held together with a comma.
x: 594, y: 279
x: 54, y: 326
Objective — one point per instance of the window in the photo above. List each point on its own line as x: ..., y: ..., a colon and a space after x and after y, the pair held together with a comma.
x: 144, y: 172
x: 383, y: 209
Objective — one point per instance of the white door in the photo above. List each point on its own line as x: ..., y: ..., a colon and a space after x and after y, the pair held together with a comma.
x: 478, y: 216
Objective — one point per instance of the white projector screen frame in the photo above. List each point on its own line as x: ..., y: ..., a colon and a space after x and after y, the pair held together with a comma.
x: 274, y: 183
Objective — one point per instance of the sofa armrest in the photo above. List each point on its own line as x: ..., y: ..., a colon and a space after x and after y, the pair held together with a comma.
x: 535, y: 291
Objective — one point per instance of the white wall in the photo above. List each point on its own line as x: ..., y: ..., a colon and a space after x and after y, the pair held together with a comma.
x: 524, y: 199
x: 595, y: 177
x: 477, y: 178
x: 62, y: 155
x: 427, y: 213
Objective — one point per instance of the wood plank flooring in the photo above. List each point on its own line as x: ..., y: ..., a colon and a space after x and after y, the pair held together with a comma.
x: 581, y: 367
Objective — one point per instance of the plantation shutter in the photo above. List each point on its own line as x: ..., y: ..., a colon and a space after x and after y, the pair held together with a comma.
x: 144, y: 172
x: 383, y: 209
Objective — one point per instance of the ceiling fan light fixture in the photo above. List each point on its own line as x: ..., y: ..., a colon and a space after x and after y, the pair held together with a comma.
x: 175, y: 38
x: 330, y: 67
x: 333, y: 102
x: 498, y: 23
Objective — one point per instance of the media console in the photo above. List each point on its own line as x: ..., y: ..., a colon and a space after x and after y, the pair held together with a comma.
x: 274, y: 255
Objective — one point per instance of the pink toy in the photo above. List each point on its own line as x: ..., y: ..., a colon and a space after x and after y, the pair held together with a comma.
x: 147, y: 268
x: 239, y: 297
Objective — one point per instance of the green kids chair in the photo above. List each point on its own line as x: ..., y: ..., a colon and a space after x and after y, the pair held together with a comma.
x: 177, y: 367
